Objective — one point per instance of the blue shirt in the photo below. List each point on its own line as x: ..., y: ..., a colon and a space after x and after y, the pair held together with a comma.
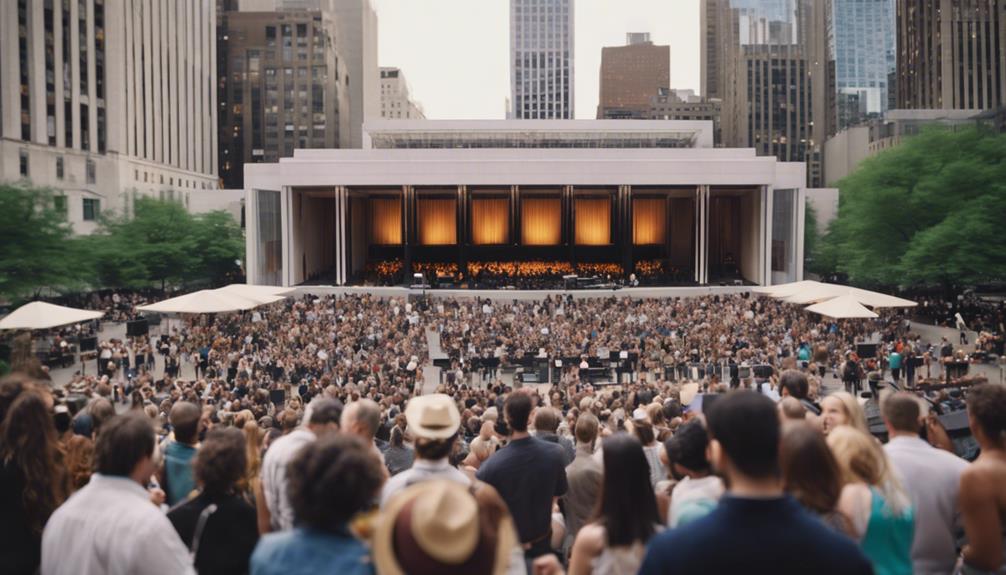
x: 178, y: 472
x: 894, y: 360
x: 310, y: 552
x: 774, y: 535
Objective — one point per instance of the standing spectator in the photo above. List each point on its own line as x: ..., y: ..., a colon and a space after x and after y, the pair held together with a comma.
x: 793, y: 383
x: 584, y: 476
x: 176, y: 476
x: 698, y: 491
x: 811, y: 474
x: 218, y: 524
x: 399, y: 456
x: 841, y: 408
x: 982, y: 492
x: 33, y: 479
x: 878, y: 509
x: 894, y: 361
x: 435, y: 421
x: 643, y: 430
x: 363, y: 418
x: 744, y: 444
x: 110, y: 526
x: 626, y: 518
x: 330, y: 480
x: 932, y: 478
x: 546, y: 423
x: 324, y: 419
x: 528, y: 473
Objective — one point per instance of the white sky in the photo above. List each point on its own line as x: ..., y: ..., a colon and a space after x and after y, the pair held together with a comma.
x: 455, y: 53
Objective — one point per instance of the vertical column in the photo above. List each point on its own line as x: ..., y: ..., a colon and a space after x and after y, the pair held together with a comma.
x: 91, y: 121
x: 407, y: 233
x: 463, y: 228
x: 703, y: 251
x: 286, y: 213
x: 625, y: 227
x: 36, y: 71
x: 767, y: 235
x: 800, y: 213
x: 697, y: 232
x: 251, y: 236
x: 342, y: 198
x: 10, y: 122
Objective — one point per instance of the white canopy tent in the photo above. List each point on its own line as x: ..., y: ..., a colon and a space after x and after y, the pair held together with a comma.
x: 783, y: 290
x: 42, y: 315
x: 209, y: 301
x: 842, y: 307
x: 823, y: 292
x: 256, y: 292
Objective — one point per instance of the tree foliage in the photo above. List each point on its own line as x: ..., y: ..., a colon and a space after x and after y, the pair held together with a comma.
x: 929, y: 211
x: 38, y: 251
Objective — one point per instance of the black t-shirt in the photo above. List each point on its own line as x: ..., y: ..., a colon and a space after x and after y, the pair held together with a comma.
x: 229, y: 535
x: 20, y: 548
x: 527, y: 473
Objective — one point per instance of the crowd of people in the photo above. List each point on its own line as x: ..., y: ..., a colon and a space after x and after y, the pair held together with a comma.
x: 296, y: 438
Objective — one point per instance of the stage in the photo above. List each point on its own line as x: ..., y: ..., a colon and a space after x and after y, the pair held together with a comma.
x: 511, y: 295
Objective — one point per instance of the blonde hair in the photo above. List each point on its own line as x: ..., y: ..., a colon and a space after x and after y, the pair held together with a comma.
x: 853, y: 411
x: 861, y: 459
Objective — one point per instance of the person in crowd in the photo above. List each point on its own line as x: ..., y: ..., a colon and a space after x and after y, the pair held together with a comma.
x: 34, y: 480
x: 110, y: 526
x: 399, y: 456
x: 879, y: 510
x: 330, y: 480
x: 439, y: 526
x: 791, y: 410
x: 363, y: 418
x: 744, y: 434
x: 177, y: 480
x: 546, y: 424
x: 841, y: 408
x: 811, y: 474
x: 218, y: 525
x: 793, y: 383
x: 643, y: 430
x: 324, y: 419
x: 584, y: 476
x: 626, y: 518
x: 981, y: 491
x: 698, y: 490
x: 434, y: 421
x: 79, y: 459
x: 528, y: 473
x: 932, y: 478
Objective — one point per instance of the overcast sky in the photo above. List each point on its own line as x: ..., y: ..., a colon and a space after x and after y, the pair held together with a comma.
x: 455, y: 53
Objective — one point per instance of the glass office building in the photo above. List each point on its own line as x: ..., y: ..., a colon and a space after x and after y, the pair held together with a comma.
x: 541, y: 59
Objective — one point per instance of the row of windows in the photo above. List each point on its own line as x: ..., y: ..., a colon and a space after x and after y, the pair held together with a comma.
x: 149, y: 178
x: 24, y: 167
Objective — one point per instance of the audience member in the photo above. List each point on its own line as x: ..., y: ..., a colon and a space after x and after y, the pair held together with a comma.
x: 698, y: 490
x: 330, y: 481
x: 110, y: 526
x: 584, y: 476
x: 811, y: 474
x: 177, y: 480
x: 744, y: 446
x: 546, y: 424
x: 982, y: 491
x: 841, y: 408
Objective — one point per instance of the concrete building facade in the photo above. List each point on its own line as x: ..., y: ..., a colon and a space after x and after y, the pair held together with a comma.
x: 630, y: 76
x: 396, y: 101
x: 951, y: 54
x: 282, y: 86
x: 541, y: 59
x: 106, y: 99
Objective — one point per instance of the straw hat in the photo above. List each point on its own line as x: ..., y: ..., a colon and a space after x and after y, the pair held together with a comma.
x: 433, y: 416
x: 440, y: 527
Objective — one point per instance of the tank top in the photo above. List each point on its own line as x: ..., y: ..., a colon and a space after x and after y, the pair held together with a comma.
x: 888, y: 538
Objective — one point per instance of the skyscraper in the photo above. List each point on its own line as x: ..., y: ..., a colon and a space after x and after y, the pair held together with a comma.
x: 104, y: 99
x: 541, y: 59
x: 356, y: 42
x: 770, y: 62
x: 282, y: 87
x: 396, y: 102
x: 951, y: 54
x: 864, y: 57
x: 631, y: 76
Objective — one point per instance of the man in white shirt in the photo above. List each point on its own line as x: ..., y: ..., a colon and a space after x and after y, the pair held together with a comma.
x: 322, y: 416
x: 932, y: 478
x: 434, y: 420
x: 110, y: 526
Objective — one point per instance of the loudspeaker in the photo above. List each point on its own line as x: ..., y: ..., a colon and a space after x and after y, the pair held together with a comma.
x: 89, y: 343
x: 137, y: 328
x: 865, y: 350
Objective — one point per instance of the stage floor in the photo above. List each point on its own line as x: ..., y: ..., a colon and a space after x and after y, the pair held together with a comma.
x: 638, y: 292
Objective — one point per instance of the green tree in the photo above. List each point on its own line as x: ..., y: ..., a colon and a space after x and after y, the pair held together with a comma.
x: 811, y: 235
x: 926, y: 211
x: 38, y: 249
x: 218, y: 243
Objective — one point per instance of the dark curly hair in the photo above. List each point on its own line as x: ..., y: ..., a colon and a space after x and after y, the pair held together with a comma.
x: 331, y: 480
x: 221, y: 461
x: 987, y: 407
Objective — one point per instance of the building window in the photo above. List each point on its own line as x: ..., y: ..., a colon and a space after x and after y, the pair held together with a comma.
x: 92, y: 208
x: 23, y: 163
x: 91, y: 172
x: 59, y: 204
x: 59, y: 167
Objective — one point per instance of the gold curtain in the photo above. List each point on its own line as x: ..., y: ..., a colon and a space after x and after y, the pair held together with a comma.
x: 593, y: 221
x: 490, y: 221
x: 541, y: 221
x: 385, y: 221
x: 436, y: 221
x: 648, y: 221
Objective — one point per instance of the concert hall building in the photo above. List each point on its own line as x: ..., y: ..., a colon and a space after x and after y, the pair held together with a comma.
x: 647, y: 197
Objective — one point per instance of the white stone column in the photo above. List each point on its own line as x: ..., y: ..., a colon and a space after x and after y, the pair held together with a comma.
x: 799, y: 230
x: 769, y: 208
